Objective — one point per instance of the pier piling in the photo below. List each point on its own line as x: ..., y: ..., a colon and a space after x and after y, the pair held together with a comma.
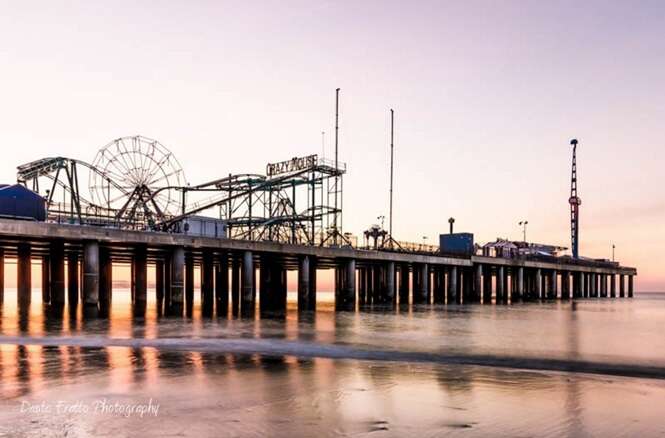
x: 247, y: 296
x: 105, y: 281
x: 159, y: 286
x: 177, y: 281
x: 189, y: 285
x: 222, y: 285
x: 91, y: 278
x: 304, y: 295
x: 140, y: 263
x: 207, y: 283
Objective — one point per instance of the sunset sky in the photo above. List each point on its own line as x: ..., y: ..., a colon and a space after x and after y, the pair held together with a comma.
x: 487, y: 96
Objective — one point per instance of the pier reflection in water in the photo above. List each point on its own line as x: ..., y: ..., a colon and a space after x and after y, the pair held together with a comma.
x: 205, y: 391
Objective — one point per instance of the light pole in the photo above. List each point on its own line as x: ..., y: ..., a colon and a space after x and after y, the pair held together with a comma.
x: 523, y: 225
x: 451, y: 221
x: 613, y: 251
x: 381, y: 218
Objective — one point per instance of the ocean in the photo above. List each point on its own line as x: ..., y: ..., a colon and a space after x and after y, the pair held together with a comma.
x: 593, y: 367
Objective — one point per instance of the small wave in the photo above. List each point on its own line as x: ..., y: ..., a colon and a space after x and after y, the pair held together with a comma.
x: 276, y: 347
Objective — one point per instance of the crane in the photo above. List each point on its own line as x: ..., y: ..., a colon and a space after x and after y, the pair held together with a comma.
x: 575, y: 203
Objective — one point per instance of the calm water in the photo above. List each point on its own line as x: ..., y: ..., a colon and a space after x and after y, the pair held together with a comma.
x: 593, y: 368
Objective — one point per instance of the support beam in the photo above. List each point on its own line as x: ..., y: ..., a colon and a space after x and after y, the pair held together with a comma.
x: 520, y: 282
x: 439, y: 285
x: 622, y: 285
x: 369, y: 284
x: 159, y: 286
x: 168, y: 276
x: 630, y: 286
x: 500, y: 283
x: 362, y: 287
x: 603, y: 285
x: 613, y: 285
x: 105, y: 282
x: 57, y: 270
x: 554, y: 284
x: 91, y: 278
x: 247, y: 295
x: 222, y: 285
x: 140, y: 262
x: 346, y: 287
x: 189, y: 285
x: 72, y: 279
x: 467, y: 285
x: 579, y: 285
x: 404, y: 284
x: 478, y: 283
x: 378, y: 284
x: 235, y: 286
x: 207, y: 284
x: 565, y: 285
x: 272, y: 287
x: 312, y: 283
x: 487, y: 285
x: 304, y: 294
x: 420, y: 283
x: 453, y: 295
x: 24, y: 275
x: 46, y: 279
x: 539, y: 284
x: 390, y: 283
x: 177, y: 281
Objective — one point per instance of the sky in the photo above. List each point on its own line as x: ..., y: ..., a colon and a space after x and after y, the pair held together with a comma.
x: 487, y: 95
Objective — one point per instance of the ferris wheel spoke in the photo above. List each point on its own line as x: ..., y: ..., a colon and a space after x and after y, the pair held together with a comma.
x: 112, y: 201
x: 107, y: 173
x: 141, y: 155
x: 164, y: 201
x: 119, y: 163
x: 153, y: 166
x: 164, y: 160
x: 128, y: 154
x: 164, y: 176
x: 122, y: 155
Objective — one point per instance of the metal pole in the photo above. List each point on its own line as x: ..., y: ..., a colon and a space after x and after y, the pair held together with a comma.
x: 392, y: 153
x: 336, y: 162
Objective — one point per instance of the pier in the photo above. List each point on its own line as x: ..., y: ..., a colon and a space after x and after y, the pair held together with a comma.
x: 251, y: 275
x: 244, y: 232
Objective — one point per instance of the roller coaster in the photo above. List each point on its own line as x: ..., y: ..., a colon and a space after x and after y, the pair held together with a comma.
x: 137, y: 183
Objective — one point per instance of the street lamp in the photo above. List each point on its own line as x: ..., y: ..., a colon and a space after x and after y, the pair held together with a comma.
x: 451, y: 221
x: 613, y: 251
x: 381, y: 218
x: 523, y: 225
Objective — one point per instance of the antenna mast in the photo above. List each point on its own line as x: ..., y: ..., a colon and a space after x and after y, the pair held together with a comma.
x: 575, y: 203
x: 392, y: 153
x: 335, y: 231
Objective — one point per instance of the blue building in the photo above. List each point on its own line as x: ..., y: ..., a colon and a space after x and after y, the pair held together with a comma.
x: 19, y: 202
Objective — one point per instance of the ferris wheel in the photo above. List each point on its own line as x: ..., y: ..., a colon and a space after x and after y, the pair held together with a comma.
x: 137, y: 178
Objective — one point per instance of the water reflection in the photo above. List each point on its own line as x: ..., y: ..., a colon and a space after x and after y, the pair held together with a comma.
x: 259, y: 394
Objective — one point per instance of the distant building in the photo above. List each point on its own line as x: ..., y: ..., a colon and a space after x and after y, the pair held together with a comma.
x: 203, y: 226
x: 509, y: 249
